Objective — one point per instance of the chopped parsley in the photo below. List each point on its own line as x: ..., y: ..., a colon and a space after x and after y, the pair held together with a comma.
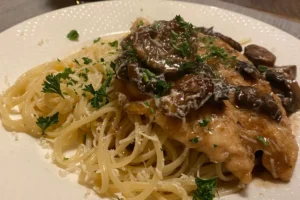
x: 65, y: 74
x: 73, y: 35
x: 76, y: 61
x: 52, y: 85
x: 218, y: 52
x: 262, y: 68
x: 215, y: 145
x: 187, y: 67
x: 263, y: 140
x: 205, y: 189
x: 204, y: 122
x: 185, y: 49
x: 84, y: 76
x: 87, y: 60
x: 100, y: 97
x: 194, y: 140
x: 150, y: 108
x: 66, y: 158
x: 102, y: 60
x: 140, y: 24
x: 58, y: 60
x: 97, y: 40
x: 161, y: 87
x: 114, y: 43
x: 45, y: 122
x: 113, y: 66
x: 182, y: 23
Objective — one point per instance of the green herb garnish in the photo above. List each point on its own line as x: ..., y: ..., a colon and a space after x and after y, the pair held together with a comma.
x: 150, y: 108
x: 100, y: 97
x: 84, y: 76
x: 66, y: 158
x: 262, y: 68
x: 215, y: 145
x: 141, y: 23
x: 263, y: 140
x: 87, y: 60
x: 65, y: 74
x: 52, y: 85
x: 96, y: 40
x: 102, y: 60
x: 113, y: 66
x: 204, y: 122
x: 114, y: 43
x: 45, y: 122
x: 205, y: 189
x: 161, y: 87
x: 73, y: 35
x: 76, y: 61
x: 194, y: 140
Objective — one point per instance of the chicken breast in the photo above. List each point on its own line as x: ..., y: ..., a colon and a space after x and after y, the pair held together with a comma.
x: 208, y: 96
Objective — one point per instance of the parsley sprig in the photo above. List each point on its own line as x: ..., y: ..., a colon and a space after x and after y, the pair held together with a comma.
x: 52, y: 83
x: 73, y: 35
x: 205, y: 189
x: 161, y: 87
x: 114, y: 43
x: 100, y: 97
x: 45, y: 122
x: 263, y: 140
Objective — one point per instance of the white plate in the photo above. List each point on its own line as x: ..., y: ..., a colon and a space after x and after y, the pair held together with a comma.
x: 24, y: 172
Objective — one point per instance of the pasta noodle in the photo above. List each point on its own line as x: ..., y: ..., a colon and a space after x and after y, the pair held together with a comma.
x: 115, y: 154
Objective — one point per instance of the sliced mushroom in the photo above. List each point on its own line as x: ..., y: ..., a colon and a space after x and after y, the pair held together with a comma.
x: 209, y: 31
x: 251, y: 98
x: 188, y: 93
x: 247, y: 70
x: 259, y: 55
x: 287, y: 89
x: 289, y: 70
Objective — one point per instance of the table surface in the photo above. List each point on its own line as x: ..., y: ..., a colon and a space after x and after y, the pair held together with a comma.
x: 16, y: 11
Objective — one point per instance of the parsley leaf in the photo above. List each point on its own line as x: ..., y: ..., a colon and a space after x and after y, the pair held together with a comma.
x: 52, y: 85
x: 150, y: 108
x: 73, y: 35
x: 205, y: 190
x: 84, y: 76
x: 45, y: 122
x: 185, y: 49
x: 100, y: 97
x: 113, y: 66
x: 262, y: 68
x: 114, y: 43
x: 76, y: 61
x: 263, y: 140
x: 65, y: 74
x: 194, y: 140
x: 141, y: 23
x: 161, y: 87
x: 204, y: 122
x: 66, y: 158
x: 218, y: 52
x: 87, y: 60
x: 96, y: 40
x: 187, y: 67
